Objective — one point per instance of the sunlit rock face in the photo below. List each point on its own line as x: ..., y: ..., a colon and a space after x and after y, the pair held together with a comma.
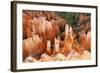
x: 49, y: 37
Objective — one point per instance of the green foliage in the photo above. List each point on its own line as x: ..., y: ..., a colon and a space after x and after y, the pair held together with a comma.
x: 71, y: 18
x: 59, y: 33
